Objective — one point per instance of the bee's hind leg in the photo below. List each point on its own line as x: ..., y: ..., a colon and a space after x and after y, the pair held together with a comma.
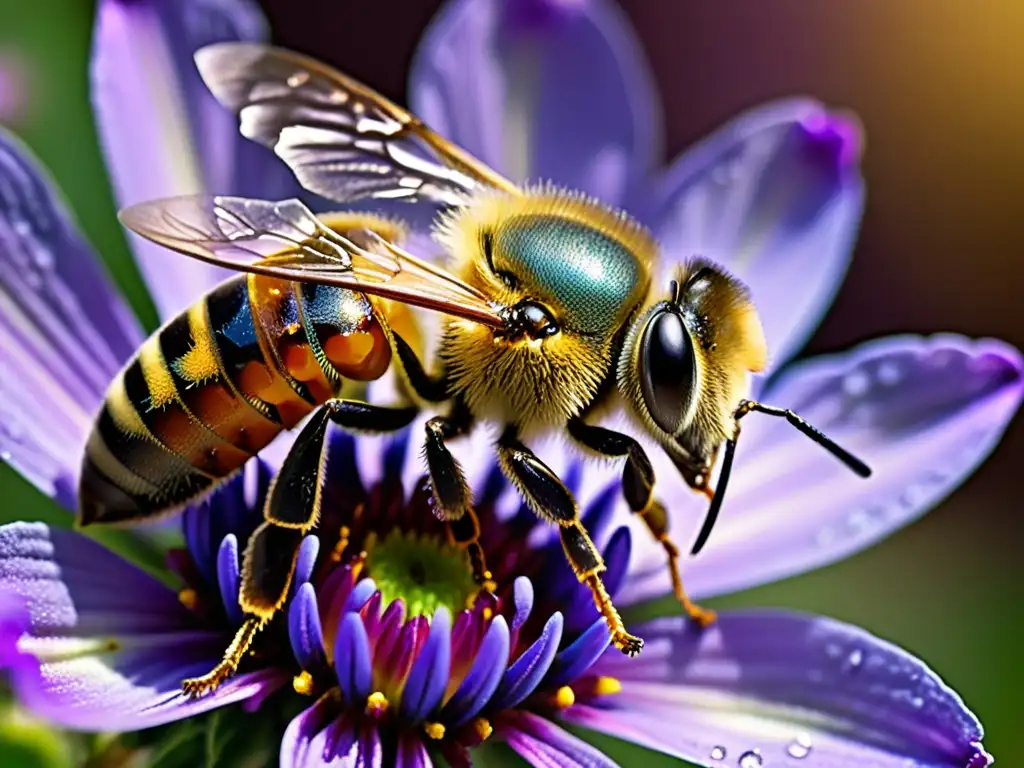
x: 638, y: 490
x: 290, y: 512
x: 550, y: 499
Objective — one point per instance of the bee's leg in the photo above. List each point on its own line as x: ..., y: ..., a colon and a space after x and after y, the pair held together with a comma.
x: 433, y: 389
x: 638, y: 490
x: 290, y: 512
x: 452, y: 496
x: 550, y: 499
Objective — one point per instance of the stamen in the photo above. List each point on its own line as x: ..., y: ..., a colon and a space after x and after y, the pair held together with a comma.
x: 376, y: 704
x: 302, y: 683
x: 564, y: 697
x: 607, y: 686
x: 189, y: 598
x: 342, y: 545
x: 434, y: 731
x: 482, y: 727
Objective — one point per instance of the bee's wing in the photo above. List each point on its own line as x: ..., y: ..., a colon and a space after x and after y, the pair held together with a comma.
x: 286, y: 240
x: 342, y: 140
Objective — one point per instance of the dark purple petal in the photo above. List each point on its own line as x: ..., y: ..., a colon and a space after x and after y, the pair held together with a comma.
x: 525, y: 674
x: 304, y: 630
x: 568, y: 100
x: 371, y: 753
x: 428, y: 677
x: 783, y: 686
x: 543, y: 744
x: 228, y: 573
x: 162, y: 132
x: 64, y: 330
x: 308, y: 551
x: 922, y: 412
x: 412, y: 753
x: 573, y: 661
x: 776, y: 196
x: 92, y: 642
x: 476, y: 689
x: 352, y: 660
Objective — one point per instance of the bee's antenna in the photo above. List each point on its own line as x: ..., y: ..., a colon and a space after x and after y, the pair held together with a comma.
x: 749, y: 406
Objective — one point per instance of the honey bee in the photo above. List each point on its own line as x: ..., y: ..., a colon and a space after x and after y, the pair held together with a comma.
x: 552, y: 317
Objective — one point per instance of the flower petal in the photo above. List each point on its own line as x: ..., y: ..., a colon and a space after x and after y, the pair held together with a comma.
x: 526, y: 672
x: 304, y: 628
x: 480, y: 683
x: 305, y: 740
x: 93, y: 642
x: 577, y: 658
x: 781, y: 687
x: 228, y: 576
x: 64, y: 330
x: 352, y: 659
x: 543, y: 744
x: 428, y: 677
x: 775, y: 196
x: 563, y: 95
x: 162, y: 132
x: 922, y: 412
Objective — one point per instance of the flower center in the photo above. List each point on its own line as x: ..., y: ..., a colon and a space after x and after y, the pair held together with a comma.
x: 422, y: 571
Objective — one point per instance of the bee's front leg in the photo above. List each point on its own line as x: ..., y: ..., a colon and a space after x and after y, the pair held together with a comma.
x: 290, y: 512
x: 638, y: 489
x: 549, y: 498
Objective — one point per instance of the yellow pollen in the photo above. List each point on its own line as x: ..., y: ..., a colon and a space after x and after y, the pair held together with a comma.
x: 188, y: 598
x: 564, y: 697
x: 376, y: 704
x: 303, y: 683
x: 606, y: 686
x: 434, y: 731
x: 488, y: 613
x: 483, y: 728
x: 339, y: 548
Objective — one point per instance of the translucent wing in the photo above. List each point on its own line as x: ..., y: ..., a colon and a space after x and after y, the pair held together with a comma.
x: 342, y: 140
x: 286, y: 240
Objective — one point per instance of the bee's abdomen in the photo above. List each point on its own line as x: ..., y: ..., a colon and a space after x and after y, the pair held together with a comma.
x: 212, y: 387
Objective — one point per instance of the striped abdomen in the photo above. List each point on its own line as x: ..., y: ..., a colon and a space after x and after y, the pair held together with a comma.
x: 212, y: 387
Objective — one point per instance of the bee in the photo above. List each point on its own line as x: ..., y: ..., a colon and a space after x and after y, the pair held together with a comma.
x: 553, y: 317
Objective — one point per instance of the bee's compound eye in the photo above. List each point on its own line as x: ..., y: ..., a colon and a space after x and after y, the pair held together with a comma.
x: 667, y: 369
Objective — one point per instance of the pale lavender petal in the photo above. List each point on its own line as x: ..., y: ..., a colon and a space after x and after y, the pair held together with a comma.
x: 64, y: 330
x: 93, y: 643
x: 541, y: 90
x: 783, y: 687
x: 543, y: 744
x: 305, y: 740
x: 775, y: 196
x: 922, y: 412
x: 162, y: 133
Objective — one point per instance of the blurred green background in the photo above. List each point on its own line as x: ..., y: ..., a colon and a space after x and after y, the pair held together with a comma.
x: 937, y: 84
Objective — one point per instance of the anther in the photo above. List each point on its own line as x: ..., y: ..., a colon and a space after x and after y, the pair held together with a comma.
x: 434, y: 731
x: 342, y: 545
x: 377, y: 705
x: 564, y: 697
x: 607, y: 686
x: 483, y: 728
x: 189, y: 598
x: 302, y: 683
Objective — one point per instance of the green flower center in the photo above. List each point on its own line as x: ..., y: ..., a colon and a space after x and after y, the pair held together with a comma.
x: 424, y: 572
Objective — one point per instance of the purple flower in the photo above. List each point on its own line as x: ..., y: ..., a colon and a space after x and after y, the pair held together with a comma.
x: 384, y: 650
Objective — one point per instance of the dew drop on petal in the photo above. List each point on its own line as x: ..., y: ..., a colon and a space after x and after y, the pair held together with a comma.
x: 751, y: 759
x: 889, y: 373
x: 856, y: 384
x: 718, y: 753
x: 800, y: 747
x: 854, y: 660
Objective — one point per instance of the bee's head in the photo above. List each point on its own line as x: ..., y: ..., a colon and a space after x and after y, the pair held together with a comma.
x: 686, y: 357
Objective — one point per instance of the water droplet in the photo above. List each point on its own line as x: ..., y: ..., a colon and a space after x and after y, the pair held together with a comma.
x: 854, y: 660
x: 800, y: 746
x: 718, y: 753
x: 889, y: 373
x: 856, y: 384
x: 751, y: 759
x: 833, y: 651
x: 917, y: 702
